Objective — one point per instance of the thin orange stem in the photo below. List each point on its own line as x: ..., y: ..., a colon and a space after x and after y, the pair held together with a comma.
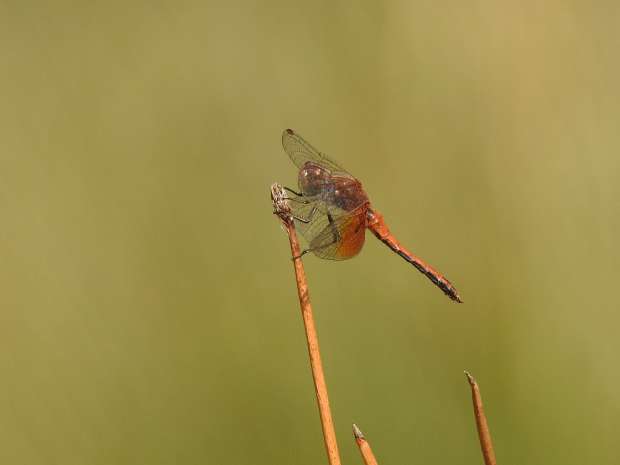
x: 329, y: 434
x: 486, y: 444
x: 365, y: 450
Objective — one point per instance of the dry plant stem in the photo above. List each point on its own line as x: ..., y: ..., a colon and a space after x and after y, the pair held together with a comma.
x: 329, y: 433
x: 365, y: 450
x: 481, y: 423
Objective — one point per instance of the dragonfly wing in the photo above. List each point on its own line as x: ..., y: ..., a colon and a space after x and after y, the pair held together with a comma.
x: 310, y: 217
x: 300, y: 151
x: 342, y: 237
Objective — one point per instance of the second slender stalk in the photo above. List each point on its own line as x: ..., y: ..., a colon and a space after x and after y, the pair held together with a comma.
x: 486, y: 444
x: 365, y: 450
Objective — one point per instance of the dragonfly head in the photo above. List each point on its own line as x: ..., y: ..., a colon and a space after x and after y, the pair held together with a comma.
x: 313, y: 179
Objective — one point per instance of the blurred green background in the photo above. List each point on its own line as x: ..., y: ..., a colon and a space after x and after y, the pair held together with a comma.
x: 147, y: 303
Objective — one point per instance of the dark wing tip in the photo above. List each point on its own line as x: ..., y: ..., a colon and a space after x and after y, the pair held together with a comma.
x: 289, y: 132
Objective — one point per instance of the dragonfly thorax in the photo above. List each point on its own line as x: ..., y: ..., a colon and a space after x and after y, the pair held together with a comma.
x: 340, y: 190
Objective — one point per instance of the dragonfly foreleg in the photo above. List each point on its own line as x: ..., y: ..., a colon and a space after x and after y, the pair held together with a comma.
x: 300, y: 197
x: 298, y: 194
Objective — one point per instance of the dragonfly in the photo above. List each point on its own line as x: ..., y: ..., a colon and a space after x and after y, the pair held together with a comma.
x: 332, y: 211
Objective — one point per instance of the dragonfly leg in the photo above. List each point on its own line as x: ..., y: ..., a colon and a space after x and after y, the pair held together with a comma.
x: 298, y: 194
x: 300, y: 197
x: 303, y: 252
x: 314, y: 249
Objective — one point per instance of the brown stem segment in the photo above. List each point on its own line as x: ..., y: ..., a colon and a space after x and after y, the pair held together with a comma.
x: 329, y: 434
x: 365, y: 450
x: 486, y: 444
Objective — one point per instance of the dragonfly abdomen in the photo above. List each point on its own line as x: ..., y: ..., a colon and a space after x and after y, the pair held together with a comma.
x: 381, y: 231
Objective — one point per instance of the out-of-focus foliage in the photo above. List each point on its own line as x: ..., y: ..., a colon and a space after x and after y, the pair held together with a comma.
x: 148, y: 310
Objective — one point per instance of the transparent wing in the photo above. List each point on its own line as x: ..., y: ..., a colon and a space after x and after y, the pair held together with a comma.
x: 314, y: 212
x: 300, y: 151
x: 341, y: 238
x: 331, y: 233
